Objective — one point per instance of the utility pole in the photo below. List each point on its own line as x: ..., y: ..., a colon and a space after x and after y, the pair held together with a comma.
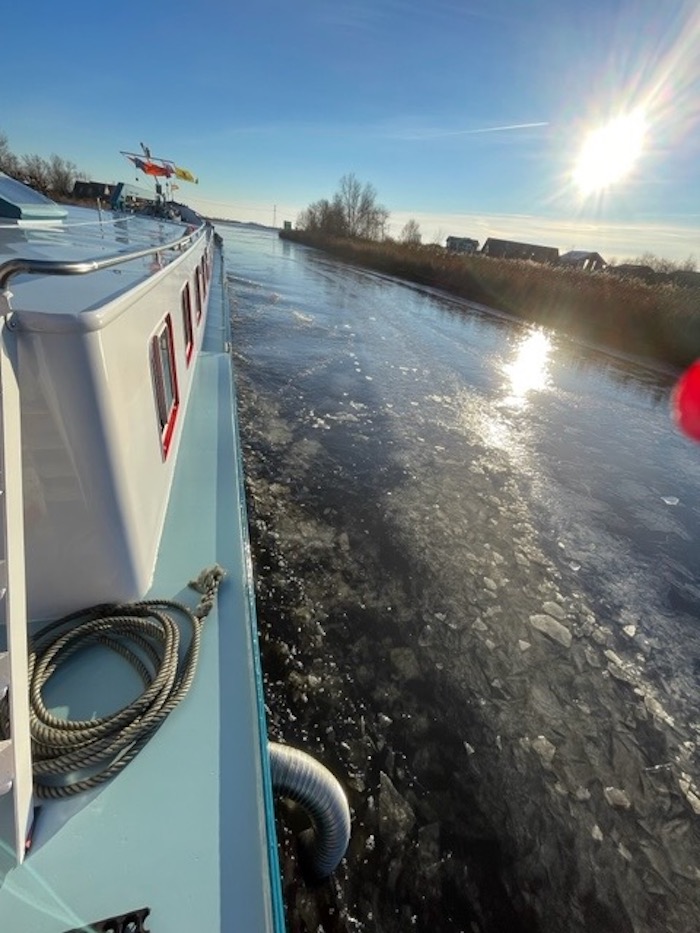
x: 274, y: 216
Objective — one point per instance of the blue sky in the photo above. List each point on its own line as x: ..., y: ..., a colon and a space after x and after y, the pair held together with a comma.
x: 270, y: 102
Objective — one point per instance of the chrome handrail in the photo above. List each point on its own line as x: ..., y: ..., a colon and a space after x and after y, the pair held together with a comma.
x: 60, y: 267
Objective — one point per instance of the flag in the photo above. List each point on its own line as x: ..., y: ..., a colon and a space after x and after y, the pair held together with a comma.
x: 185, y: 175
x: 151, y: 168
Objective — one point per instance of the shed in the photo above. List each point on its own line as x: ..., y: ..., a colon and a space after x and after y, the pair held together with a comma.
x: 583, y: 259
x: 462, y: 244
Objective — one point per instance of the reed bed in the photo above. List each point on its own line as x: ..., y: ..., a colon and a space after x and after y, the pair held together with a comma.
x: 659, y: 322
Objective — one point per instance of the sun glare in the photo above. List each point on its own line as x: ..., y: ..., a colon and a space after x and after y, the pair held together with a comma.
x: 529, y: 370
x: 609, y: 153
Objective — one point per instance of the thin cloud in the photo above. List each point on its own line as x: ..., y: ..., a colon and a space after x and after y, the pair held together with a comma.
x: 429, y: 134
x: 498, y: 129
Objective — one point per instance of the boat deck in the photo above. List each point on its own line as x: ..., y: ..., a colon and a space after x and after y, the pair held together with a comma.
x: 182, y: 830
x: 82, y: 235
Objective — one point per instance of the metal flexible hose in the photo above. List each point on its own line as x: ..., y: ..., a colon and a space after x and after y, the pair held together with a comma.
x: 298, y: 776
x: 71, y: 756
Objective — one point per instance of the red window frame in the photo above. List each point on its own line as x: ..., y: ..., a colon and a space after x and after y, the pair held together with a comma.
x: 198, y: 292
x: 165, y: 388
x: 208, y: 265
x: 187, y: 322
x: 205, y: 277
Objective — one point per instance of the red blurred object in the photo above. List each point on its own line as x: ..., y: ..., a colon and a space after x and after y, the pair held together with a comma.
x: 686, y: 401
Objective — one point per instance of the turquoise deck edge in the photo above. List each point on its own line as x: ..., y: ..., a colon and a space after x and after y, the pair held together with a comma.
x: 271, y: 831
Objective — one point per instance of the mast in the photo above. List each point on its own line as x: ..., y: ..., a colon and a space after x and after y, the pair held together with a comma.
x: 159, y: 188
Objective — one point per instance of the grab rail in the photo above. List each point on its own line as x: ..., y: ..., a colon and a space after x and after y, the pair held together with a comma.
x: 80, y: 267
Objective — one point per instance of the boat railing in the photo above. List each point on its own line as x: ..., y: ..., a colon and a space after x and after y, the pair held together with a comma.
x: 15, y: 751
x: 20, y: 266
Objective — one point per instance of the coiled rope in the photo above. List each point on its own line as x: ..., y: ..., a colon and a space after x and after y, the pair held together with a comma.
x: 147, y: 635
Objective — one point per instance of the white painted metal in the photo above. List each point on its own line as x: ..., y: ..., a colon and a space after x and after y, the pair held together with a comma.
x: 15, y: 754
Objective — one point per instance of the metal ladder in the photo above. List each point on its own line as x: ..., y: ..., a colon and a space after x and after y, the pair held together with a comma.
x: 15, y: 752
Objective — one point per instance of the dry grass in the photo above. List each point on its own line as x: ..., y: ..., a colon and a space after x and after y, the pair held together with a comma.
x: 660, y: 322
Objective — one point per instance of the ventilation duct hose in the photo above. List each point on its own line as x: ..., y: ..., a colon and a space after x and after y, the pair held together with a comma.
x: 304, y: 780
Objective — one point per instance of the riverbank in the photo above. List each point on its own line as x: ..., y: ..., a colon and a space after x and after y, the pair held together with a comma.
x: 658, y: 322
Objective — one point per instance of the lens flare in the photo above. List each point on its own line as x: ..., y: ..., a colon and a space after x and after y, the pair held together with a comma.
x: 610, y: 153
x: 686, y: 402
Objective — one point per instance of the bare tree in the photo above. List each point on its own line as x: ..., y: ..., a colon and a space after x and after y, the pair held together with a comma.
x: 363, y: 216
x: 61, y: 175
x: 9, y: 163
x: 35, y: 171
x: 410, y: 233
x: 350, y: 196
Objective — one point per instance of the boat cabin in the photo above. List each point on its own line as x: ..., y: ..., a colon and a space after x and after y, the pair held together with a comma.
x: 95, y: 353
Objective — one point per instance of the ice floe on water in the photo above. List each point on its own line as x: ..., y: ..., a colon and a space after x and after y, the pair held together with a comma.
x: 471, y: 619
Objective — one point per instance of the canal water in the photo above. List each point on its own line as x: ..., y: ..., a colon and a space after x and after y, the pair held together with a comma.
x: 475, y: 547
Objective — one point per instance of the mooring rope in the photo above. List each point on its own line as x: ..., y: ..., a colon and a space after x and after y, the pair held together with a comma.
x: 147, y: 635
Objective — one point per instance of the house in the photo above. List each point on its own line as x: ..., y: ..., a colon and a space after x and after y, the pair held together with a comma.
x: 461, y: 244
x: 583, y: 259
x: 509, y: 249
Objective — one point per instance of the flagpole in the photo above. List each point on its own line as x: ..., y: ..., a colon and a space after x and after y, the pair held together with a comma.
x: 147, y: 153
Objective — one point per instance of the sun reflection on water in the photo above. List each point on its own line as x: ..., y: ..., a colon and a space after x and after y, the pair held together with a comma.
x: 529, y: 371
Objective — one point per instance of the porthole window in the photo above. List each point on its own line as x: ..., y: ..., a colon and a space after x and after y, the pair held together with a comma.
x: 165, y: 382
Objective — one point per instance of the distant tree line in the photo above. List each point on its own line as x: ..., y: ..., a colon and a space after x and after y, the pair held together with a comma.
x: 54, y: 175
x: 658, y: 264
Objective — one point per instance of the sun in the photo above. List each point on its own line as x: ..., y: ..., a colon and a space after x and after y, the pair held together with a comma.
x: 609, y: 153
